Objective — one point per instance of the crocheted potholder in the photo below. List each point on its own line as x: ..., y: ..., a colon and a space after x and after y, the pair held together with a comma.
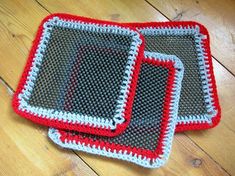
x: 81, y: 75
x: 199, y: 106
x: 147, y: 139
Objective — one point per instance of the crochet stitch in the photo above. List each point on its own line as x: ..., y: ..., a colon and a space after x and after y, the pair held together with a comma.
x: 199, y: 106
x: 147, y: 140
x: 81, y: 75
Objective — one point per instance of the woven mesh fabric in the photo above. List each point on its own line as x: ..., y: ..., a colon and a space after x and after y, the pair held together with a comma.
x: 192, y: 97
x: 81, y: 75
x: 81, y: 72
x: 148, y: 138
x: 144, y: 128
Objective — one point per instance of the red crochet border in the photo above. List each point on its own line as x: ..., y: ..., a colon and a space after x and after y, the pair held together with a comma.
x: 66, y: 137
x: 65, y: 125
x: 216, y: 119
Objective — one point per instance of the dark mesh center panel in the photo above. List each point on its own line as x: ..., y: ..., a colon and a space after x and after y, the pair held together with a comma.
x: 192, y: 97
x: 147, y: 112
x: 82, y: 72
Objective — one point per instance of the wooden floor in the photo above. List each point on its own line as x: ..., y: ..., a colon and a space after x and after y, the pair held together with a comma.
x: 25, y: 148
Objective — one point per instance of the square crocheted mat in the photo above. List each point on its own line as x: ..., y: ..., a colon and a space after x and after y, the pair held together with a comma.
x: 147, y: 140
x: 81, y: 75
x: 199, y: 106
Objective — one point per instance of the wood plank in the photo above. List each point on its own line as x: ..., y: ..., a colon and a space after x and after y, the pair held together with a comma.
x: 136, y: 11
x: 19, y: 21
x: 26, y: 150
x: 219, y: 142
x: 217, y: 16
x: 122, y: 11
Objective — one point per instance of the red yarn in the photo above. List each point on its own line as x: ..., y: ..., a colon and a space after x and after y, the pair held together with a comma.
x: 208, y: 61
x: 71, y: 126
x: 164, y: 123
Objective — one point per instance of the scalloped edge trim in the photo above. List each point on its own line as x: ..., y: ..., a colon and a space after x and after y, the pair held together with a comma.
x: 143, y: 159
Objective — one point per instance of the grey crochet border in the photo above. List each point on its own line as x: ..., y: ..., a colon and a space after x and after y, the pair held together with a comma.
x: 141, y: 160
x: 71, y: 117
x: 201, y: 55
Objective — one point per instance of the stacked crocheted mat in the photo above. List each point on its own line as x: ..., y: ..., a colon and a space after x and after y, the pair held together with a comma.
x: 199, y: 107
x: 118, y: 90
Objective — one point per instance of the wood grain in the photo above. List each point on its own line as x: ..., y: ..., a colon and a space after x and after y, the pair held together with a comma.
x: 20, y: 153
x: 217, y: 16
x: 19, y: 22
x: 121, y: 10
x: 193, y: 154
x: 25, y: 149
x: 219, y: 142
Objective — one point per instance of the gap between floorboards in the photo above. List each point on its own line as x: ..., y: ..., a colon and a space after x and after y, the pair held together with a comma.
x: 171, y: 20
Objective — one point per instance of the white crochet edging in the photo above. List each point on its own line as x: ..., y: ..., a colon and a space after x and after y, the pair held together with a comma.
x: 100, y: 122
x: 141, y: 160
x: 203, y: 68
